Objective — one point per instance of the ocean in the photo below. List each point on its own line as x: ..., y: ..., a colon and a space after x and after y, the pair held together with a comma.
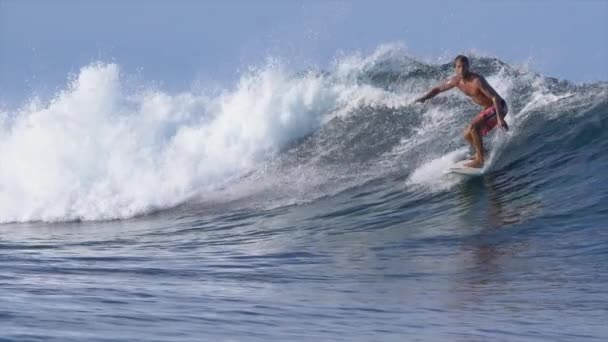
x: 304, y: 206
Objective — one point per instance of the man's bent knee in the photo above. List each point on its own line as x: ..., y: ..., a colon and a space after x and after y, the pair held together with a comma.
x: 469, y: 130
x: 476, y: 128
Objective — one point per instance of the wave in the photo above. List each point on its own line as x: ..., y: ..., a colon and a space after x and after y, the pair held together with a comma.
x: 99, y: 150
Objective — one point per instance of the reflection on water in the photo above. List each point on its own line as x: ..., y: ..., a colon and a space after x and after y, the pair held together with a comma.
x: 493, y: 210
x: 490, y: 201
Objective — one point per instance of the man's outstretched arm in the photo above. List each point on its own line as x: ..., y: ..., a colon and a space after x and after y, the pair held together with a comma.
x: 447, y: 85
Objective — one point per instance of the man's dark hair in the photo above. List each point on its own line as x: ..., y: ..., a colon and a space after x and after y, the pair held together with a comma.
x: 461, y: 58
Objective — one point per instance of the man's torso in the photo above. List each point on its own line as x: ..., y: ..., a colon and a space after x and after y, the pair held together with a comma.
x: 471, y: 87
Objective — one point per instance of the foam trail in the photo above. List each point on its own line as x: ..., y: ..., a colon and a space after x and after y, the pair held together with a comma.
x: 432, y: 174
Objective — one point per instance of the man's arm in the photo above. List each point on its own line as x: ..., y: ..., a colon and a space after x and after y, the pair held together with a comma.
x: 447, y: 85
x: 485, y: 88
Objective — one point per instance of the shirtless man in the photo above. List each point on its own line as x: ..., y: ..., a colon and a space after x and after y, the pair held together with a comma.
x: 478, y: 89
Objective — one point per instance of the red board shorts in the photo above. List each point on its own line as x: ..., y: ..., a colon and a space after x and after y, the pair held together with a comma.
x: 488, y: 119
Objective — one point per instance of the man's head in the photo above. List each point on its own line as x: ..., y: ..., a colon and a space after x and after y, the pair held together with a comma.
x: 461, y: 65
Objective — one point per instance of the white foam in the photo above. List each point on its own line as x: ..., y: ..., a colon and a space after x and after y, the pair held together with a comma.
x: 431, y: 174
x: 98, y: 152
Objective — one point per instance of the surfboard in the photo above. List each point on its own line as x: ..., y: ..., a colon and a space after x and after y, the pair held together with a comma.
x: 460, y: 169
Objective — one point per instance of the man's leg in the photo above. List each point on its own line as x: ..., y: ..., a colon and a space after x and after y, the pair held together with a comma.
x: 477, y: 143
x: 469, y: 138
x: 467, y: 135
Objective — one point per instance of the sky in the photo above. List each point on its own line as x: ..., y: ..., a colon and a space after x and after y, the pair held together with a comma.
x: 176, y: 42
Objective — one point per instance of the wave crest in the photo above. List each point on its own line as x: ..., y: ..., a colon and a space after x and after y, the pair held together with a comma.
x: 98, y: 151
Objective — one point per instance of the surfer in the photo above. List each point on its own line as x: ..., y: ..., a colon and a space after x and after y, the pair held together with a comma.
x: 478, y: 89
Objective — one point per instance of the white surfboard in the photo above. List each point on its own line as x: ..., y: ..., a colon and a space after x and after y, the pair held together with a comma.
x: 460, y: 169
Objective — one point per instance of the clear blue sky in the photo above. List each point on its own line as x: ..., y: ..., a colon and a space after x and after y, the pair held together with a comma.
x: 175, y: 42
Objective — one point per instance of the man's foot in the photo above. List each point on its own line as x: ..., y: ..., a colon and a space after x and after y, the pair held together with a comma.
x: 474, y: 163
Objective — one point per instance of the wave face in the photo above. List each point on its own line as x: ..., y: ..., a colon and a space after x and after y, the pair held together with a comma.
x: 102, y: 149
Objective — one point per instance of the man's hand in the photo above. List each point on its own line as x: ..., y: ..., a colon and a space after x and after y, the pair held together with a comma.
x: 503, y: 124
x: 420, y: 99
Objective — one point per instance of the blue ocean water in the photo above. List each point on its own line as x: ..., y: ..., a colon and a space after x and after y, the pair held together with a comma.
x: 308, y: 206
